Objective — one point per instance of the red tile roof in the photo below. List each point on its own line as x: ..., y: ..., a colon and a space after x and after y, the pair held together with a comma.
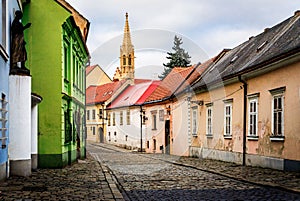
x: 177, y: 80
x: 170, y: 83
x: 195, y: 74
x: 134, y: 94
x: 100, y: 94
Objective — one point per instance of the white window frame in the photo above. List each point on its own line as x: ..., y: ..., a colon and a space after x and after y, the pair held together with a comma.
x: 209, y: 124
x: 194, y: 121
x: 228, y: 104
x: 253, y: 100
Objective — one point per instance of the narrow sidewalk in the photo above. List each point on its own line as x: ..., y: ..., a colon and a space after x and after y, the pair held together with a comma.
x: 84, y: 180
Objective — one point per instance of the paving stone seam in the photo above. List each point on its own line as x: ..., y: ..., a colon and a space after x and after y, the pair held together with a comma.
x: 263, y: 184
x: 114, y: 185
x: 237, y: 178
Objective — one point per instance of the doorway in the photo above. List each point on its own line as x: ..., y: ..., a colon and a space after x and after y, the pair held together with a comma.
x: 101, y: 135
x: 167, y: 136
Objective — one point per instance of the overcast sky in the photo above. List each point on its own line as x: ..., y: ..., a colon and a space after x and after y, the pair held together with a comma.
x: 206, y: 27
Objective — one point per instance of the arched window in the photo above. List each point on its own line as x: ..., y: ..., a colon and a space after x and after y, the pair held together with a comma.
x: 129, y: 60
x: 124, y: 60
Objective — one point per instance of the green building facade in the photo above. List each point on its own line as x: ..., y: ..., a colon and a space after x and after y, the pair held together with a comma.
x: 57, y: 55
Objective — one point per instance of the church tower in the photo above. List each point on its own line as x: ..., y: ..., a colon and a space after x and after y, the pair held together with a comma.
x: 126, y: 69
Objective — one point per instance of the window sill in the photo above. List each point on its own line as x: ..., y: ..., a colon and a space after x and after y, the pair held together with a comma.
x: 252, y: 138
x: 277, y: 138
x: 194, y: 135
x: 209, y: 136
x: 229, y: 137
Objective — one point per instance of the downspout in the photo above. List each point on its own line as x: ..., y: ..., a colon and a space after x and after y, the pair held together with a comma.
x: 245, y: 87
x: 141, y: 115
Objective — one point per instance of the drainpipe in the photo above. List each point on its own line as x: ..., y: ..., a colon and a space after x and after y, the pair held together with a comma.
x: 245, y: 87
x: 141, y: 115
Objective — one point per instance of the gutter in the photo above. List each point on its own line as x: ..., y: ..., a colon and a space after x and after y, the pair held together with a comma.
x: 245, y: 87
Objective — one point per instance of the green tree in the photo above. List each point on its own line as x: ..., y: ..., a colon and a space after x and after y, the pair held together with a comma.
x: 178, y: 58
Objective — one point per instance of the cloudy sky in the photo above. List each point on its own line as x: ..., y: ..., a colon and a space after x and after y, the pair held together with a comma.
x: 206, y: 27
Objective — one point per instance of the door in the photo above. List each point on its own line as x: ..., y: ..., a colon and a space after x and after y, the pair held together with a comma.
x: 101, y: 136
x: 167, y: 136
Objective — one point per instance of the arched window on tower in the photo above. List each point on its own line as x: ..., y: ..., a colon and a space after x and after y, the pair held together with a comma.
x: 124, y: 60
x: 129, y: 60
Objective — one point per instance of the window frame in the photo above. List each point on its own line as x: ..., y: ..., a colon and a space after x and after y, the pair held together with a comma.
x: 277, y: 93
x: 228, y: 103
x: 128, y: 117
x: 114, y: 119
x: 252, y: 99
x: 154, y: 120
x: 194, y: 125
x: 121, y: 118
x: 209, y: 124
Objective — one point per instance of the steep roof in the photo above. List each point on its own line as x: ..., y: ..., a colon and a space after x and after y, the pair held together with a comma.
x: 134, y: 95
x: 170, y: 83
x: 100, y: 94
x: 268, y: 47
x: 90, y: 69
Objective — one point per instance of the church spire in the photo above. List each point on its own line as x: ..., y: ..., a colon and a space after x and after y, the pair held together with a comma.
x: 126, y: 70
x: 127, y: 38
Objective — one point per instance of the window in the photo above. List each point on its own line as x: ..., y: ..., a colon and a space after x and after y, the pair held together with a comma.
x: 3, y: 121
x: 153, y: 113
x: 115, y: 134
x: 94, y: 114
x: 66, y: 62
x: 109, y: 137
x: 161, y: 115
x: 194, y: 120
x: 68, y: 126
x: 154, y: 144
x: 129, y: 60
x: 108, y: 119
x: 209, y: 119
x: 88, y: 114
x: 278, y: 113
x: 121, y: 117
x: 94, y: 130
x: 252, y: 116
x: 128, y: 117
x: 100, y: 114
x: 124, y: 60
x: 228, y: 118
x: 114, y: 119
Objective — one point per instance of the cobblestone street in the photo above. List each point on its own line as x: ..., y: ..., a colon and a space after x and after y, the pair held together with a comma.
x: 164, y: 177
x: 122, y: 174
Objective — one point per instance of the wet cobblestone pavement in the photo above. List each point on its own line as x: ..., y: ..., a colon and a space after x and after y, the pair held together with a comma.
x: 112, y: 173
x: 85, y: 180
x: 164, y: 177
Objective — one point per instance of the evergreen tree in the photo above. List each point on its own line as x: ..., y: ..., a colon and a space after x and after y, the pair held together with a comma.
x: 178, y: 58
